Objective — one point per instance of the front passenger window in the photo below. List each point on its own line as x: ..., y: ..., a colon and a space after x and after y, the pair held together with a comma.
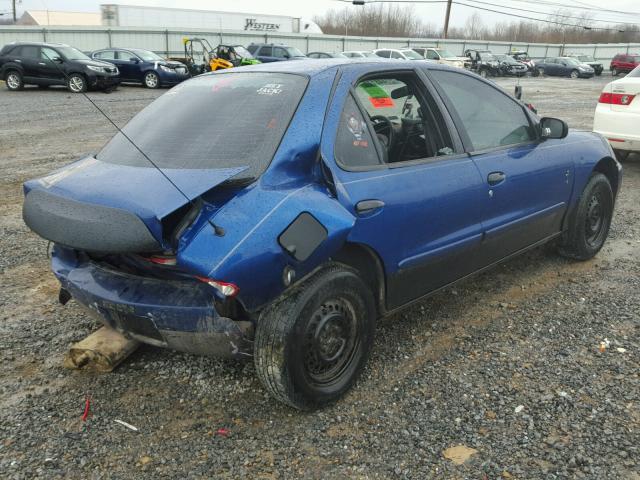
x: 491, y: 118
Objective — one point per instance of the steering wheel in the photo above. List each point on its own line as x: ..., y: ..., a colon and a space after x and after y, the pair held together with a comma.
x: 384, y: 131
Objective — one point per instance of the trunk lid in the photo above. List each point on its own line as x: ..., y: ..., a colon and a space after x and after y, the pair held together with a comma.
x: 98, y: 206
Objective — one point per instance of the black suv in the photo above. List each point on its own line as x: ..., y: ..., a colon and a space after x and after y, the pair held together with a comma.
x: 274, y: 52
x: 46, y: 64
x: 482, y: 62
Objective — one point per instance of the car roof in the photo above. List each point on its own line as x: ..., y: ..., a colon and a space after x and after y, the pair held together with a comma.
x: 40, y: 44
x: 313, y: 67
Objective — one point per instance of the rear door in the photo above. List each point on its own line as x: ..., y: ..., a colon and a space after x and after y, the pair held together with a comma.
x: 416, y: 197
x: 265, y: 54
x: 527, y: 182
x: 28, y: 56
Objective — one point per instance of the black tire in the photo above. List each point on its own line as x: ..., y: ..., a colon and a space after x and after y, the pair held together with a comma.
x: 540, y: 72
x: 151, y: 80
x: 483, y: 73
x: 311, y: 346
x: 535, y: 72
x: 77, y: 83
x: 589, y: 227
x: 574, y: 74
x: 598, y: 73
x: 14, y: 80
x: 614, y: 71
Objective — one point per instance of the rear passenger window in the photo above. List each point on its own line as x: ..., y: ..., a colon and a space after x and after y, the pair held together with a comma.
x: 354, y: 146
x: 28, y: 51
x: 108, y: 55
x: 491, y: 118
x: 266, y: 51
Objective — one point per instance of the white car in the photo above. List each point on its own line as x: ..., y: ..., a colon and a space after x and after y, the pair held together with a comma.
x: 394, y: 54
x: 617, y: 115
x: 358, y: 54
x: 441, y: 55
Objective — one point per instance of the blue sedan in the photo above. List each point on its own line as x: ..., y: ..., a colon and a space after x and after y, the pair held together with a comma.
x: 144, y: 66
x: 308, y: 199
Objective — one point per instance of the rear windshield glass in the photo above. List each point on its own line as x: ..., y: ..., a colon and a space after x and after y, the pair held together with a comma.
x: 214, y: 121
x: 634, y: 73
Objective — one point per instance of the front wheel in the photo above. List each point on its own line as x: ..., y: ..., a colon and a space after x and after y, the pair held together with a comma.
x: 614, y: 71
x: 484, y: 73
x: 311, y: 346
x: 14, y: 80
x: 589, y: 227
x: 151, y: 80
x: 77, y: 83
x: 574, y: 74
x: 540, y: 71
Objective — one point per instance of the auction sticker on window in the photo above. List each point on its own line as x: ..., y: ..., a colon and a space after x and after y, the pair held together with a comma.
x: 270, y: 89
x: 381, y: 102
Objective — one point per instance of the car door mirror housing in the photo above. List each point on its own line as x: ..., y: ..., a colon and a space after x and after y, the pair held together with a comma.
x: 57, y: 59
x: 134, y: 60
x: 553, y: 128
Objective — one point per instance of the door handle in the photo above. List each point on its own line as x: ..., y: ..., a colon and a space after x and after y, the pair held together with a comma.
x: 367, y: 206
x: 495, y: 178
x: 41, y: 63
x: 17, y: 60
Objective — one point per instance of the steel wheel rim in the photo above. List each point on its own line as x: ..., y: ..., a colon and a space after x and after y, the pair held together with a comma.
x: 574, y: 74
x: 595, y: 221
x: 483, y: 73
x: 76, y: 84
x: 330, y: 341
x: 13, y: 81
x: 541, y: 71
x: 151, y: 80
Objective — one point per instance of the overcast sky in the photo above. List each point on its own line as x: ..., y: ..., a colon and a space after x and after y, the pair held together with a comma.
x: 433, y: 13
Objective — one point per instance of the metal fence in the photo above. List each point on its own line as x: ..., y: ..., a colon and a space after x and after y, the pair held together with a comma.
x: 169, y: 42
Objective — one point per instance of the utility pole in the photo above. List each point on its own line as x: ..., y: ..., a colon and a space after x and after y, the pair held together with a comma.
x: 446, y: 19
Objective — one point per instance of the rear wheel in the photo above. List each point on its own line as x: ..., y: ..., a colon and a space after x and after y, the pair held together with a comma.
x: 77, y: 83
x: 151, y: 80
x: 589, y: 227
x: 614, y: 71
x: 14, y: 80
x: 311, y: 346
x: 574, y: 74
x: 540, y: 71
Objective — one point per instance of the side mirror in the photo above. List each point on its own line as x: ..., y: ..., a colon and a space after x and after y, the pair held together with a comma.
x: 553, y: 128
x: 134, y: 60
x: 287, y: 56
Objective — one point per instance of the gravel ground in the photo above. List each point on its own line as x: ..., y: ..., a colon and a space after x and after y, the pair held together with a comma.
x: 504, y: 366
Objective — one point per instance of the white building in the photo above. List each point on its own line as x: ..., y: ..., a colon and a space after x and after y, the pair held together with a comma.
x: 52, y: 17
x: 177, y: 18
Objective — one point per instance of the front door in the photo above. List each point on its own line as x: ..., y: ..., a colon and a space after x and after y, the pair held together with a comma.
x: 400, y: 169
x: 48, y: 69
x: 29, y: 56
x: 129, y: 66
x: 527, y: 183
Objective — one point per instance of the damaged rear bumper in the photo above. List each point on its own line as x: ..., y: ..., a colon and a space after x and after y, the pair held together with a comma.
x: 168, y: 313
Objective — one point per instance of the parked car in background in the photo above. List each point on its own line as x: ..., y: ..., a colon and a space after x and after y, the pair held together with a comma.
x: 564, y: 67
x: 617, y: 115
x: 589, y: 60
x: 47, y: 64
x: 143, y: 66
x: 440, y: 55
x: 325, y: 55
x: 624, y: 63
x: 272, y: 247
x: 523, y: 56
x: 509, y: 66
x: 394, y: 54
x: 482, y: 62
x: 274, y: 52
x: 358, y: 54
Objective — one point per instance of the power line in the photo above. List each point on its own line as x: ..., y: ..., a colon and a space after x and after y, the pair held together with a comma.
x: 554, y: 14
x: 572, y: 7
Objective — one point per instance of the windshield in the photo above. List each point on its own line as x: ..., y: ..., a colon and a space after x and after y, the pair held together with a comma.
x: 243, y: 52
x: 634, y: 73
x: 369, y: 54
x: 445, y: 53
x: 410, y: 54
x: 147, y: 55
x: 197, y: 125
x: 71, y: 53
x: 572, y: 61
x: 294, y: 52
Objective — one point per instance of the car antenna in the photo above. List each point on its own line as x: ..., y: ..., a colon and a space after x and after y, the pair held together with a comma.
x: 219, y: 231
